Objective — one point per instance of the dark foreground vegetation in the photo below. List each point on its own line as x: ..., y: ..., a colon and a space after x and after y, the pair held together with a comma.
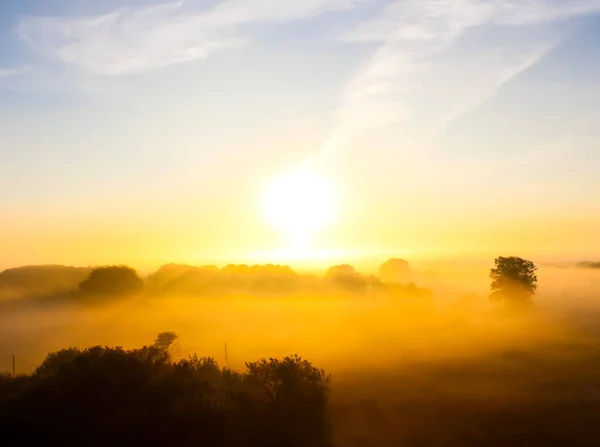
x: 113, y: 397
x: 536, y: 396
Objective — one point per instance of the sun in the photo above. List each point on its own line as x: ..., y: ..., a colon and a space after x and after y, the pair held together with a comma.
x: 300, y: 204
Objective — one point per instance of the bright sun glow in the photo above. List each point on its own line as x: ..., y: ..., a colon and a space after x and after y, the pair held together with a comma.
x: 300, y: 204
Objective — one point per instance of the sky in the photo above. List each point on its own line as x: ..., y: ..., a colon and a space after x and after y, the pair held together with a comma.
x: 153, y: 131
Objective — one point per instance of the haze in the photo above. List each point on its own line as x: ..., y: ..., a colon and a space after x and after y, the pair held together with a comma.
x: 402, y: 192
x: 146, y: 132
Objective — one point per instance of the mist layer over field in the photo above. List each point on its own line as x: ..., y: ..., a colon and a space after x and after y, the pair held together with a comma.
x: 401, y: 355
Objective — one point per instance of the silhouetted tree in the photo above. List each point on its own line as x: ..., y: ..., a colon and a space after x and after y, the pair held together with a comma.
x: 111, y: 281
x: 395, y: 270
x: 513, y: 280
x: 347, y: 278
x: 55, y: 360
x: 296, y: 403
x: 165, y: 340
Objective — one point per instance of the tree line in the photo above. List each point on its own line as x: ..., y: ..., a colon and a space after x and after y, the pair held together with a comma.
x: 117, y: 281
x: 513, y: 280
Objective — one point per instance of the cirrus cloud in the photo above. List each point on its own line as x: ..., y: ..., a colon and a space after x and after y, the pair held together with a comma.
x: 137, y: 40
x: 408, y: 67
x: 10, y: 72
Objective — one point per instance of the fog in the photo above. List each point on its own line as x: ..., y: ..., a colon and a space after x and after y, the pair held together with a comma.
x: 397, y: 359
x: 336, y: 330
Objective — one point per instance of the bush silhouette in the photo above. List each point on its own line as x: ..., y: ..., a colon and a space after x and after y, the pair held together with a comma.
x: 111, y: 281
x: 297, y: 400
x: 110, y: 396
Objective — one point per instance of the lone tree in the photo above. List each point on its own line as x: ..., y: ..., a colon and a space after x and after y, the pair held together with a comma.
x: 513, y: 280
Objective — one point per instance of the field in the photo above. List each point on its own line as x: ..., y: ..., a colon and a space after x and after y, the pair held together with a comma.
x: 448, y: 371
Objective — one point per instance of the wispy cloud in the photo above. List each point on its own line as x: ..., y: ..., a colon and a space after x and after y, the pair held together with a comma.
x: 10, y: 72
x: 410, y: 72
x: 135, y: 40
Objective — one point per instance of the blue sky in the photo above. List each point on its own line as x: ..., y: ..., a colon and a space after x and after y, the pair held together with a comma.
x: 166, y: 117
